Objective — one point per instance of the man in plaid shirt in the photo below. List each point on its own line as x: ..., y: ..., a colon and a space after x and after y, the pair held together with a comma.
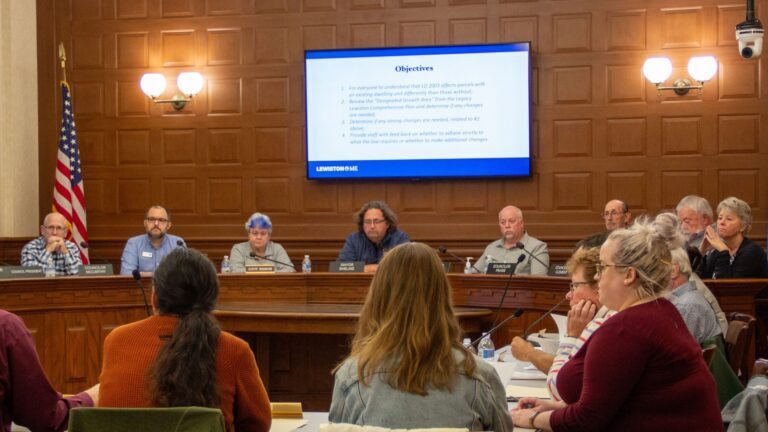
x: 52, y: 244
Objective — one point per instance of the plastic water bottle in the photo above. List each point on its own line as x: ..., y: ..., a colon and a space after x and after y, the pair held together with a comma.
x: 486, y: 348
x: 306, y: 265
x: 488, y: 261
x: 467, y: 342
x: 468, y: 266
x: 226, y: 267
x: 49, y: 268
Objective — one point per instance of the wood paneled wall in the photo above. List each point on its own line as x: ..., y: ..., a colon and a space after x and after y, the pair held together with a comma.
x: 600, y: 131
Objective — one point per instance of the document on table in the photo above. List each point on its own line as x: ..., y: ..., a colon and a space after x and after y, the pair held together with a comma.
x: 562, y: 324
x: 286, y: 425
x: 516, y: 391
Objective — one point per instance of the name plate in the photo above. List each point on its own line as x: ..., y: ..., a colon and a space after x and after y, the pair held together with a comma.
x: 497, y: 268
x: 557, y: 270
x: 259, y: 268
x: 13, y: 272
x: 95, y: 270
x: 346, y: 266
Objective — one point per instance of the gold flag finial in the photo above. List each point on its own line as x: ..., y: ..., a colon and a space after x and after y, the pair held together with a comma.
x: 63, y: 59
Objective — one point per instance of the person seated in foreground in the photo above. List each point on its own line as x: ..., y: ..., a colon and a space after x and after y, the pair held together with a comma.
x: 727, y: 252
x: 53, y: 245
x: 507, y: 250
x: 376, y: 234
x: 26, y: 395
x: 641, y: 370
x: 408, y: 368
x: 179, y: 356
x: 587, y: 314
x: 259, y: 244
x: 698, y: 314
x: 144, y: 252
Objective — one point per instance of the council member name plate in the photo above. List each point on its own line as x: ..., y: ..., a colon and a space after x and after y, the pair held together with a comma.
x: 346, y: 266
x: 13, y: 272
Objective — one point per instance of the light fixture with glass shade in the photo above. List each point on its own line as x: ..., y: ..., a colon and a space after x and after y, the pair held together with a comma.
x: 701, y: 69
x: 189, y: 83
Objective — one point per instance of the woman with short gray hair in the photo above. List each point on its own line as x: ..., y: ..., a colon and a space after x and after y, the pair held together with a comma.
x: 727, y: 252
x: 259, y: 250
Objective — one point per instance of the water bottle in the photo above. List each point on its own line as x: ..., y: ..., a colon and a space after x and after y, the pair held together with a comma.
x: 486, y: 348
x: 49, y: 268
x: 468, y: 266
x: 225, y: 266
x: 468, y: 345
x: 488, y: 261
x: 306, y: 265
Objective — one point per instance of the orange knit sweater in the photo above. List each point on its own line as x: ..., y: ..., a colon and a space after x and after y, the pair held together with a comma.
x: 130, y: 351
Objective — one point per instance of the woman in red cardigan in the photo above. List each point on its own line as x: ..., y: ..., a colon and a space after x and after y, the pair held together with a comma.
x: 179, y: 356
x: 641, y: 370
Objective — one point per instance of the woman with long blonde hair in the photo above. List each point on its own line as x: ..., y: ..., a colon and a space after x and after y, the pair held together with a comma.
x: 408, y: 368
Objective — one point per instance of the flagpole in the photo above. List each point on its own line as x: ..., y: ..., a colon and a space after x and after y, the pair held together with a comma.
x: 63, y: 60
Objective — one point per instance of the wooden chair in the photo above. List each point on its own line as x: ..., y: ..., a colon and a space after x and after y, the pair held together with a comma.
x: 741, y: 332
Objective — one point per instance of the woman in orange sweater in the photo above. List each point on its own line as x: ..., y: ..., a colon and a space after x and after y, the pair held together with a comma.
x: 179, y: 356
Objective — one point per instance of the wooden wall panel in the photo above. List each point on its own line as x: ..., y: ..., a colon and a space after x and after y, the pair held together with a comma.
x: 599, y: 130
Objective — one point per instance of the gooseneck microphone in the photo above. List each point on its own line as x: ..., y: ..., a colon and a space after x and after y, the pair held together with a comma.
x: 444, y: 250
x: 288, y: 264
x: 98, y: 256
x: 546, y: 314
x: 137, y: 277
x: 506, y: 288
x: 521, y: 246
x: 515, y: 314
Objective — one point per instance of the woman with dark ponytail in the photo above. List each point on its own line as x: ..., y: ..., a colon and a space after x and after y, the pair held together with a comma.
x: 179, y: 356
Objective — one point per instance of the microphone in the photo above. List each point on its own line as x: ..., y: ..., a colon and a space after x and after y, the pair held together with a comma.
x: 548, y: 313
x: 444, y: 250
x: 521, y: 246
x: 137, y: 277
x: 515, y: 314
x: 85, y: 245
x: 506, y: 288
x: 253, y: 255
x: 180, y: 243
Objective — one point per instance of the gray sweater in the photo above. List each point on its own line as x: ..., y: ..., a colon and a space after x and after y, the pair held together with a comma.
x: 476, y: 402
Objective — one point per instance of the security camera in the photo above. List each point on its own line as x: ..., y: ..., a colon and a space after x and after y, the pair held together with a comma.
x: 749, y: 34
x: 750, y: 37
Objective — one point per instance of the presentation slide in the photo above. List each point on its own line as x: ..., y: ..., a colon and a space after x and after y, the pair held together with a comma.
x: 458, y: 111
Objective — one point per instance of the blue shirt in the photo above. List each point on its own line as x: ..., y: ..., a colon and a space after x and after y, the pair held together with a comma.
x: 140, y: 254
x: 357, y: 247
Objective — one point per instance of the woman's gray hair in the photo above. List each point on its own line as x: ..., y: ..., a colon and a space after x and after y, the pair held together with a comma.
x: 260, y: 221
x: 644, y: 249
x: 741, y: 208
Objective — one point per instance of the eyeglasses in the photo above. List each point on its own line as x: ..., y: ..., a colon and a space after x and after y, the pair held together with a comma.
x: 54, y: 228
x: 575, y: 285
x: 154, y: 220
x: 254, y: 233
x: 612, y: 214
x: 373, y: 221
x: 601, y: 267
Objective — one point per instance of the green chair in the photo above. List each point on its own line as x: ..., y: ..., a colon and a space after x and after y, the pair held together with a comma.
x: 187, y: 419
x: 728, y: 384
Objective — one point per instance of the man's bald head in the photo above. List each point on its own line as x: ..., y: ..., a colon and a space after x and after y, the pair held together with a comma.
x: 54, y: 224
x: 616, y: 215
x: 511, y: 225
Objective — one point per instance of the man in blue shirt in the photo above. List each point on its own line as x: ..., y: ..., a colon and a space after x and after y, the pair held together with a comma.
x: 376, y: 234
x: 144, y: 252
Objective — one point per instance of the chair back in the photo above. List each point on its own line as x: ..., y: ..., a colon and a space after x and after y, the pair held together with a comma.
x: 193, y: 419
x: 741, y: 332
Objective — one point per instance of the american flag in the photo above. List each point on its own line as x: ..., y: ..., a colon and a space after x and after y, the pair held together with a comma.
x: 68, y: 190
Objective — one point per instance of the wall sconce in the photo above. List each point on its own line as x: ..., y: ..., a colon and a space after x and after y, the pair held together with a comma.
x: 658, y: 69
x: 190, y: 84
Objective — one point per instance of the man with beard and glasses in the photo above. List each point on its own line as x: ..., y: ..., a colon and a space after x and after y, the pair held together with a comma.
x: 144, y: 252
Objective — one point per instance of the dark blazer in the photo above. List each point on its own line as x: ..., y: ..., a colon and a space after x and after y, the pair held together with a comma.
x: 748, y: 262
